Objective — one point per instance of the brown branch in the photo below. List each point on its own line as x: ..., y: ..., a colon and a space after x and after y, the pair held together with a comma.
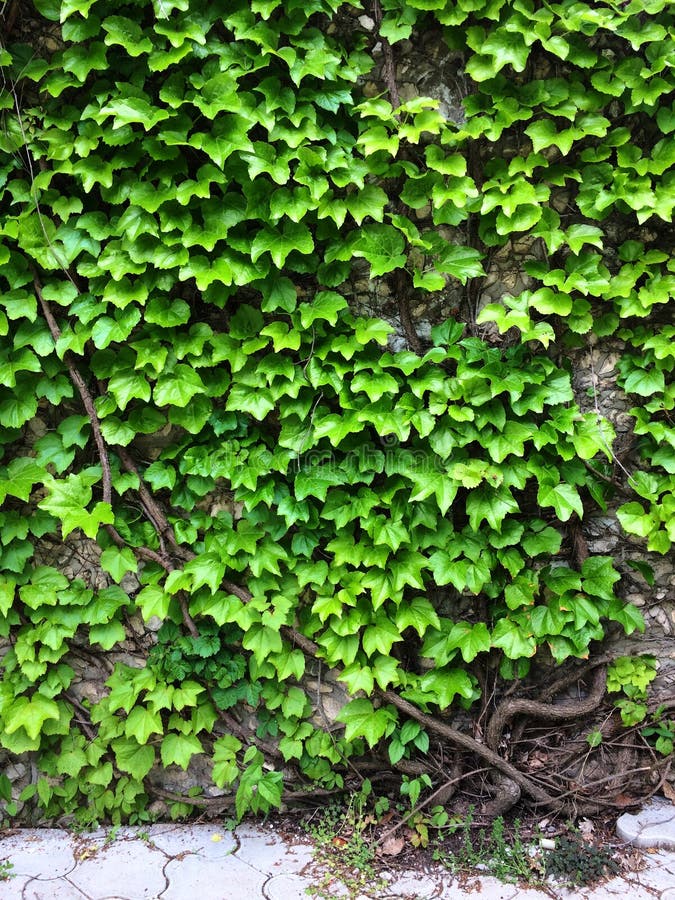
x: 548, y: 711
x: 83, y: 391
x: 441, y: 793
x: 203, y: 802
x: 540, y: 796
x: 152, y: 509
x: 389, y: 66
x: 85, y: 722
x: 399, y: 286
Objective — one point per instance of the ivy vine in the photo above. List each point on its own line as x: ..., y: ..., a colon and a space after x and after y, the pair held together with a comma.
x: 188, y: 194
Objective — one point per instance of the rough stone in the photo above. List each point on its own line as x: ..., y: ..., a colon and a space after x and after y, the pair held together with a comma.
x: 653, y: 826
x: 288, y: 887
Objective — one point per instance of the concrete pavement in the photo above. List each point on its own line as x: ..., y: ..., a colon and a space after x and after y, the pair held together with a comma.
x: 253, y: 862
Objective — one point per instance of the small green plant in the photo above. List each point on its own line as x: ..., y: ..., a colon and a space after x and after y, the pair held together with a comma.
x: 342, y: 844
x: 6, y: 870
x: 506, y: 856
x: 660, y: 731
x: 578, y: 864
x: 632, y: 676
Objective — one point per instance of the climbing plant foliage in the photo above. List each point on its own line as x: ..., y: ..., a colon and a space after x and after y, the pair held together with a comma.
x: 188, y: 192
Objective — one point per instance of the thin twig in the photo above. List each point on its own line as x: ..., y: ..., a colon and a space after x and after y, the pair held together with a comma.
x: 389, y: 66
x: 83, y: 390
x: 427, y: 802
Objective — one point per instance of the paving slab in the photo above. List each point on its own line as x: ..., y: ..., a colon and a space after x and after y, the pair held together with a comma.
x: 653, y: 826
x: 12, y: 888
x: 209, y: 862
x: 267, y: 851
x: 288, y: 887
x: 208, y: 841
x: 212, y: 879
x: 126, y: 869
x: 417, y: 885
x: 29, y: 848
x: 59, y: 889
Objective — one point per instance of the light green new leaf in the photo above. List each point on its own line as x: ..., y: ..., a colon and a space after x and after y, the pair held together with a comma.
x: 178, y: 387
x: 511, y: 638
x: 178, y: 749
x: 382, y: 246
x: 31, y: 714
x: 68, y: 499
x: 417, y: 613
x: 380, y: 636
x: 141, y: 723
x: 117, y: 561
x: 133, y: 758
x: 153, y: 601
x: 564, y: 498
x: 362, y: 720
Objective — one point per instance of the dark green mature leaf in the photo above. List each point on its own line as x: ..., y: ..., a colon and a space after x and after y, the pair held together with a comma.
x: 382, y: 246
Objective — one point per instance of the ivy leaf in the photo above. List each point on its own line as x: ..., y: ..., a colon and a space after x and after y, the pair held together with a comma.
x: 128, y: 34
x: 382, y: 246
x: 153, y: 601
x: 133, y: 758
x: 279, y: 244
x: 369, y: 201
x: 178, y: 749
x: 547, y: 540
x: 132, y: 110
x: 257, y: 402
x: 22, y: 473
x: 462, y: 263
x: 564, y: 498
x: 441, y: 686
x: 18, y: 406
x: 361, y: 719
x: 599, y: 577
x: 511, y: 638
x: 645, y: 382
x: 117, y: 561
x: 107, y: 634
x: 206, y: 569
x: 326, y: 305
x: 419, y: 614
x: 177, y: 388
x: 30, y: 714
x: 67, y: 501
x: 380, y: 636
x: 141, y: 723
x: 470, y: 640
x: 128, y: 385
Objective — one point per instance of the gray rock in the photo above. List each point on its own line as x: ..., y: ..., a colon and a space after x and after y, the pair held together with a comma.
x: 653, y: 826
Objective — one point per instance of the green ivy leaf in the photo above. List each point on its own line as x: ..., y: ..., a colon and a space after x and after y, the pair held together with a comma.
x: 30, y: 714
x: 67, y: 501
x: 382, y: 246
x: 362, y: 720
x: 564, y: 498
x: 117, y: 562
x: 178, y: 749
x: 279, y: 244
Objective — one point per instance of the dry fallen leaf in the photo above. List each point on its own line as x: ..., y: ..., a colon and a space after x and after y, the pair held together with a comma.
x: 393, y: 846
x: 586, y: 826
x: 622, y: 800
x: 669, y: 791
